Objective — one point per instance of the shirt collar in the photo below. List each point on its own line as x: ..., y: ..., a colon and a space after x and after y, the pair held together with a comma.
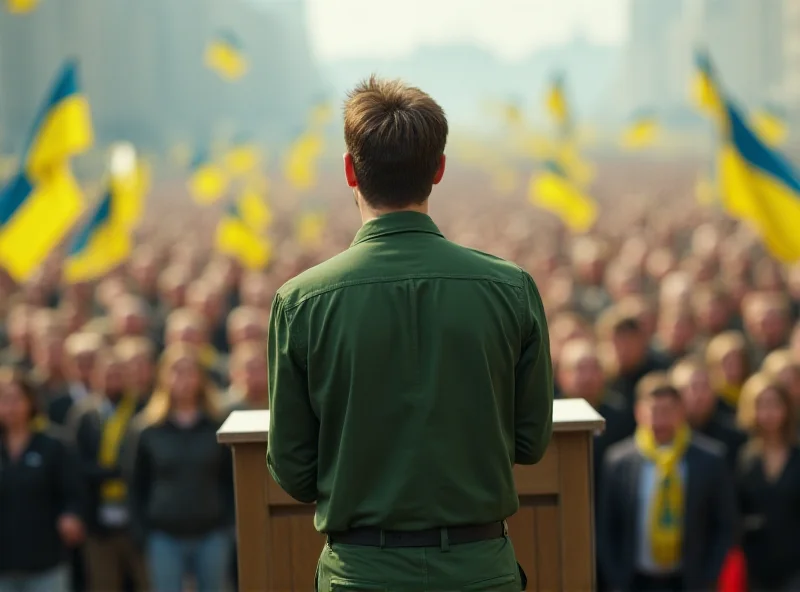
x: 394, y: 223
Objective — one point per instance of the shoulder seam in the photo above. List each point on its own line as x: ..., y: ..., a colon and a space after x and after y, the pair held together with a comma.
x: 348, y: 283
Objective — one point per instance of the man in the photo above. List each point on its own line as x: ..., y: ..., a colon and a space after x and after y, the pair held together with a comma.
x: 580, y: 375
x: 704, y: 411
x: 633, y: 357
x: 667, y: 509
x: 248, y: 377
x: 767, y: 318
x: 407, y: 375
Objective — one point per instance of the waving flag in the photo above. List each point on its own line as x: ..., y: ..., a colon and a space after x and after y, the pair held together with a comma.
x: 63, y: 127
x: 102, y: 244
x: 243, y: 157
x: 557, y: 104
x: 770, y: 125
x: 552, y: 190
x: 300, y: 166
x: 207, y: 179
x: 309, y: 228
x: 254, y: 210
x: 225, y: 56
x: 236, y: 238
x: 756, y: 183
x: 642, y: 131
x: 42, y: 200
x: 21, y: 6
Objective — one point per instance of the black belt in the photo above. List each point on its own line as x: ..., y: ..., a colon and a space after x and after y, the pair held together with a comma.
x: 432, y: 537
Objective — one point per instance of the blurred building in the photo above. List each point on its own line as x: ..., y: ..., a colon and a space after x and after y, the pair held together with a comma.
x: 747, y: 40
x: 791, y: 53
x: 142, y: 67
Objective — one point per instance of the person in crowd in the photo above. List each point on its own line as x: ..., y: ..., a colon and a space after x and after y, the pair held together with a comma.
x: 172, y: 285
x: 704, y: 411
x: 48, y: 373
x: 728, y: 368
x: 42, y: 497
x: 589, y: 261
x: 783, y: 368
x: 246, y: 323
x: 768, y: 486
x: 80, y: 350
x: 767, y: 321
x: 632, y: 357
x: 255, y: 290
x: 713, y: 310
x: 794, y: 343
x: 180, y: 484
x: 249, y: 380
x: 18, y: 333
x: 101, y: 422
x: 206, y: 299
x: 144, y: 268
x: 580, y: 375
x: 185, y: 325
x: 675, y: 336
x: 667, y: 509
x: 137, y: 355
x: 130, y: 317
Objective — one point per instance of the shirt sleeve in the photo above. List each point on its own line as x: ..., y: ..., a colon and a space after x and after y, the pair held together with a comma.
x: 293, y: 426
x: 533, y: 398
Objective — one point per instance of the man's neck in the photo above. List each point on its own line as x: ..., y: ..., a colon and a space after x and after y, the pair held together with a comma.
x: 369, y: 213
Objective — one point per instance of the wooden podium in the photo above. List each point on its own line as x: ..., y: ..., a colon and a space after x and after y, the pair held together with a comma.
x: 553, y: 531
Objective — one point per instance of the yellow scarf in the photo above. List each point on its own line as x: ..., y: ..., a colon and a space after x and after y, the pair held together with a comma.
x: 40, y: 423
x: 729, y: 393
x: 113, y: 490
x: 666, y: 509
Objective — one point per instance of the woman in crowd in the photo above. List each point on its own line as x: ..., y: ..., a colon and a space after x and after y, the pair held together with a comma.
x: 41, y: 495
x: 768, y: 486
x: 726, y: 358
x: 181, y: 483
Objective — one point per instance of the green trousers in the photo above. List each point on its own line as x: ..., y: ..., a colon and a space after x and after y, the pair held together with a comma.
x: 485, y: 565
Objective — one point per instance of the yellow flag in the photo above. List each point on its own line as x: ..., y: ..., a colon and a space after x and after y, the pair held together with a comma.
x: 224, y: 55
x: 552, y: 190
x: 301, y: 160
x: 242, y: 159
x: 21, y: 6
x: 254, y: 210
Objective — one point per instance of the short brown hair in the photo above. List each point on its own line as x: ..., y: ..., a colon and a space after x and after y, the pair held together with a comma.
x: 656, y: 385
x: 396, y: 135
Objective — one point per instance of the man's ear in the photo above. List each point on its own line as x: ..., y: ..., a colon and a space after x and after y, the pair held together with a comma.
x: 350, y: 170
x: 440, y: 171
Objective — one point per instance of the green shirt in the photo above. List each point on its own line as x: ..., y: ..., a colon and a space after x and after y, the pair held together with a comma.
x: 407, y: 375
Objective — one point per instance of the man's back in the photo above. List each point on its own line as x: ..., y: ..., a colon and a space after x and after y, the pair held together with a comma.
x: 427, y: 368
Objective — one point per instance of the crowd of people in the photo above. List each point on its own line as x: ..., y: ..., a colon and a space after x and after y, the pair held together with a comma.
x: 111, y: 393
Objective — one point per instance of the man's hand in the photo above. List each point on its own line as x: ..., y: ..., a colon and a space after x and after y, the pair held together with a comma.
x: 71, y: 529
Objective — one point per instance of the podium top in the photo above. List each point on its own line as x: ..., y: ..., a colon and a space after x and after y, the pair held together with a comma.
x: 569, y: 415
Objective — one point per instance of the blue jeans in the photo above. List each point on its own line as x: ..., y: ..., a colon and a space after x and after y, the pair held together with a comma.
x: 53, y: 580
x: 206, y: 559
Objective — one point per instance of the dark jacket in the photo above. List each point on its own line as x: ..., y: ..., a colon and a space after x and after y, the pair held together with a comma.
x: 89, y: 422
x: 44, y: 483
x: 770, y: 513
x: 181, y: 480
x: 619, y: 425
x: 709, y: 514
x: 721, y: 427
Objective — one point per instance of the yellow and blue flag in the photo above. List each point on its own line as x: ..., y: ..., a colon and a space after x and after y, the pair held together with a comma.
x: 553, y: 190
x: 243, y: 157
x: 759, y: 185
x: 769, y: 123
x: 236, y: 238
x: 21, y: 6
x: 254, y: 210
x: 225, y: 56
x: 208, y: 181
x: 705, y: 90
x: 100, y: 245
x: 642, y: 131
x: 557, y: 104
x: 34, y: 217
x: 300, y: 165
x: 62, y: 128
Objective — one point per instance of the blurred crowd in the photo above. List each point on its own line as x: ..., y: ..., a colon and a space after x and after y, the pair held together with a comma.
x: 111, y: 393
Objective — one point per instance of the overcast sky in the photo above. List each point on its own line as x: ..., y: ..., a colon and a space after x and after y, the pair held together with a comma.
x: 510, y: 28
